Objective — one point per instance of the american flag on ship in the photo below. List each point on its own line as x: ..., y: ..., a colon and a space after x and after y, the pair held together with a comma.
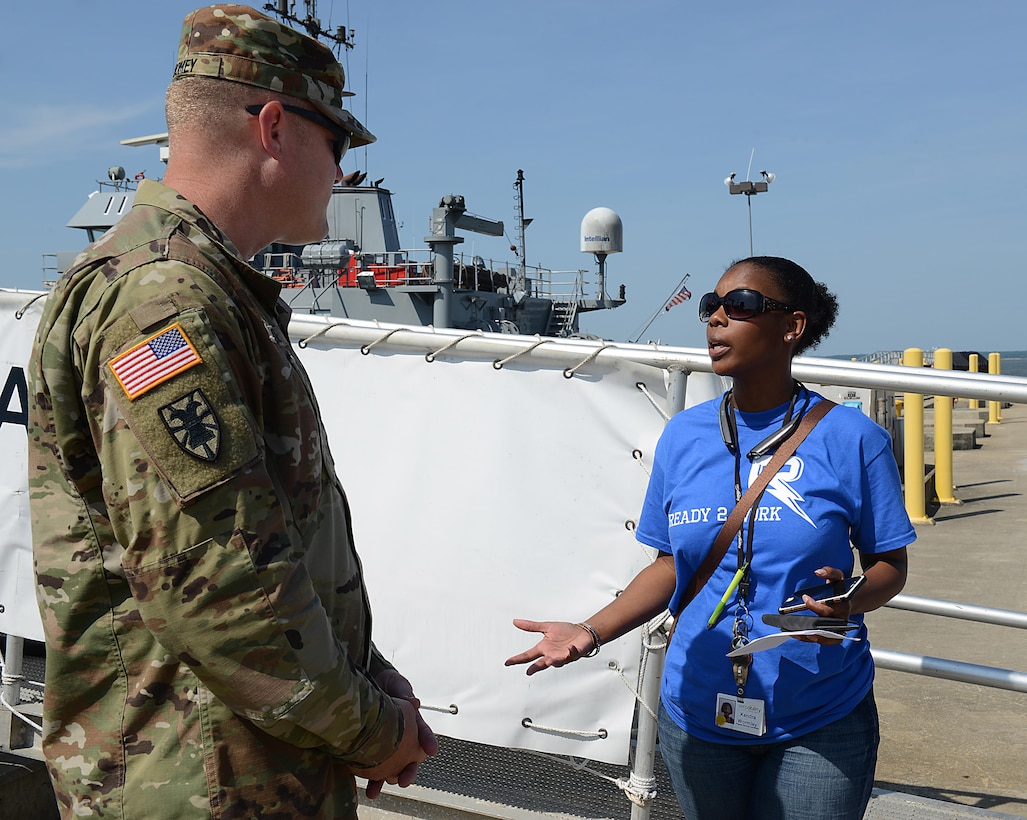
x: 154, y: 361
x: 682, y: 295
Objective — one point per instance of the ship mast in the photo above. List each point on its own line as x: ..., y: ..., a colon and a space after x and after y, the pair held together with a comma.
x: 286, y: 9
x: 522, y: 223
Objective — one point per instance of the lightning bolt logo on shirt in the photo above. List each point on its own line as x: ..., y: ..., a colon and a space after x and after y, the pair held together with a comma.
x: 780, y: 485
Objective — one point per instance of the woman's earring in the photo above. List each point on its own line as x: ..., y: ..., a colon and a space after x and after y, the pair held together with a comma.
x: 789, y: 337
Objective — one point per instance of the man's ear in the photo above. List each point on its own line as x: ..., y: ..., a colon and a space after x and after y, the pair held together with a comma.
x: 269, y: 124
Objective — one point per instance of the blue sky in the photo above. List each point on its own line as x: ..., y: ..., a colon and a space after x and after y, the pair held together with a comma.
x: 896, y: 131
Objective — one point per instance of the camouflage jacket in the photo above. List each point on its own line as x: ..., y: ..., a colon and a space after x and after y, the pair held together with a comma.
x: 207, y: 627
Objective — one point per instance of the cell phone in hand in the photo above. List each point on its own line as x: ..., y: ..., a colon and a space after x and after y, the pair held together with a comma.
x: 796, y: 623
x: 826, y: 593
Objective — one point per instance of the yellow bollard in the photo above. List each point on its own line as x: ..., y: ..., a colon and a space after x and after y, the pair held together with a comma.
x: 994, y: 368
x: 974, y: 367
x: 913, y: 445
x: 943, y: 486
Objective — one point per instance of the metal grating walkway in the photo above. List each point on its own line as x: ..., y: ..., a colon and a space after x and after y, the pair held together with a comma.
x: 466, y: 780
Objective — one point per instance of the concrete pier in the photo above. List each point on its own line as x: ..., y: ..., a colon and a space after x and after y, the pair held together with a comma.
x: 943, y: 739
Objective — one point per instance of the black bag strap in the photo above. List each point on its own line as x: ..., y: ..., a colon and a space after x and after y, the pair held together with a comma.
x: 746, y: 502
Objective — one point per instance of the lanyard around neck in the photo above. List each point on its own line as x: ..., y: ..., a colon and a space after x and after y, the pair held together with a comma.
x: 729, y: 431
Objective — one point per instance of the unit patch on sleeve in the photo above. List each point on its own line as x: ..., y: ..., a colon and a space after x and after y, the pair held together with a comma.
x: 154, y: 361
x: 193, y: 424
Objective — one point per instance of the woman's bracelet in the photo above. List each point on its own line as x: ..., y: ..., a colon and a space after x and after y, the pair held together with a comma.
x: 596, y: 643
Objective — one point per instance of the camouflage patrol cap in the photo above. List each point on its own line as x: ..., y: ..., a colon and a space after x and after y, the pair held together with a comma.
x: 238, y: 43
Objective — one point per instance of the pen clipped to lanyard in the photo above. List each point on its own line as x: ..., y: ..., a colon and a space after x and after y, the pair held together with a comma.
x: 735, y: 581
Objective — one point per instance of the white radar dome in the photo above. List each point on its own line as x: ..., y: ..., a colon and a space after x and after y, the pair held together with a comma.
x: 602, y: 232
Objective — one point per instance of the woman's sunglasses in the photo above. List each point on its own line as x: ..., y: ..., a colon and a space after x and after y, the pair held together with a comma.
x: 738, y: 304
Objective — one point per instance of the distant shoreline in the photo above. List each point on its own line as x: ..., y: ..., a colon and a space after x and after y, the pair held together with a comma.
x: 1013, y: 362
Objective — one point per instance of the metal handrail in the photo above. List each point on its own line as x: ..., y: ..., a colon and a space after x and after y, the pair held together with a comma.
x: 566, y: 352
x: 991, y: 676
x: 962, y: 671
x: 960, y: 611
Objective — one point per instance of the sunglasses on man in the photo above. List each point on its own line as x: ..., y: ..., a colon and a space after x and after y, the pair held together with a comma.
x: 340, y: 145
x: 740, y: 304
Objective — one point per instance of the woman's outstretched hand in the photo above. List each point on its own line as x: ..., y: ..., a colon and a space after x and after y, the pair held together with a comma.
x: 562, y: 642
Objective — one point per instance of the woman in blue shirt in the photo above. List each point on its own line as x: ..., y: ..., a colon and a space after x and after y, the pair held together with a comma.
x: 802, y: 737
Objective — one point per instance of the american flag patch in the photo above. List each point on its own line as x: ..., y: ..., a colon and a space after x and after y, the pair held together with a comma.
x: 154, y: 361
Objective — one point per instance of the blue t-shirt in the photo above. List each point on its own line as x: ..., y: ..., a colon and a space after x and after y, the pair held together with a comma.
x: 839, y: 491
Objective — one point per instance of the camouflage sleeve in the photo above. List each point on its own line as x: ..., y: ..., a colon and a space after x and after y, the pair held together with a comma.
x: 378, y: 664
x: 221, y: 542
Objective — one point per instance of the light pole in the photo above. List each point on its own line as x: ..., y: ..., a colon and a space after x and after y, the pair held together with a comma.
x: 750, y: 189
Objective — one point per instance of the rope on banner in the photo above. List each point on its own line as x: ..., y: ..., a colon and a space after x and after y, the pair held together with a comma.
x: 302, y: 343
x: 20, y: 312
x: 498, y: 363
x: 639, y: 457
x: 569, y: 372
x: 365, y: 349
x: 616, y: 667
x: 601, y: 733
x: 645, y: 392
x: 453, y: 709
x: 430, y: 357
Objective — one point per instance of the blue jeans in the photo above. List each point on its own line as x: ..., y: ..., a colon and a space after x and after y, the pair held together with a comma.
x: 826, y: 773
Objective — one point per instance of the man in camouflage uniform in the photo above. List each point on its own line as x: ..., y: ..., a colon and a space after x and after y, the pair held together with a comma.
x: 208, y: 632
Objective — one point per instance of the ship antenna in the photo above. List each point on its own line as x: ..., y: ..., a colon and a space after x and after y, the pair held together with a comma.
x: 286, y: 9
x: 341, y: 38
x: 522, y: 223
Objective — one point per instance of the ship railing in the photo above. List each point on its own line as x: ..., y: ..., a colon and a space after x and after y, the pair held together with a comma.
x: 51, y: 269
x: 990, y: 676
x: 561, y: 285
x: 414, y: 266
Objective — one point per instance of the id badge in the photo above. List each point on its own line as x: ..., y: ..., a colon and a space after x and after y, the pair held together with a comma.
x: 746, y: 715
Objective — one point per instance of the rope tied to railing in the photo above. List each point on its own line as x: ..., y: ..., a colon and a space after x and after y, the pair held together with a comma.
x: 569, y: 372
x: 638, y: 790
x: 614, y: 666
x: 302, y: 343
x: 9, y: 679
x: 430, y: 357
x: 20, y: 312
x: 645, y: 392
x: 498, y: 363
x: 639, y: 457
x: 366, y: 349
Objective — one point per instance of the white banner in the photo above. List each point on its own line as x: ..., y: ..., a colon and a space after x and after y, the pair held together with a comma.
x: 19, y: 614
x: 478, y: 495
